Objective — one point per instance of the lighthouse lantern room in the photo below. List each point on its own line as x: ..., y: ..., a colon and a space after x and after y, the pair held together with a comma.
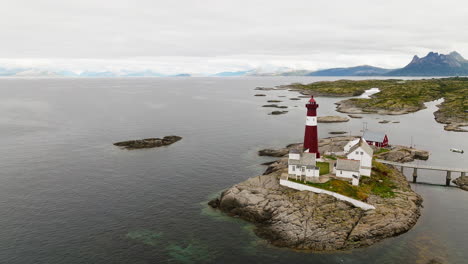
x: 311, y: 135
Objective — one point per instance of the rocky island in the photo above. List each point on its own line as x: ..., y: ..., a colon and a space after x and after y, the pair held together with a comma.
x: 308, y: 221
x: 397, y: 97
x: 148, y: 142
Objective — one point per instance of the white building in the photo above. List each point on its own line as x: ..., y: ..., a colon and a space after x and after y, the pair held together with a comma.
x: 302, y: 166
x: 350, y: 144
x: 349, y: 169
x: 363, y: 153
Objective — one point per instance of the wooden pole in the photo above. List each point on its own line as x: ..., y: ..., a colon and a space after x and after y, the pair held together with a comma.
x: 448, y: 178
x: 415, y: 175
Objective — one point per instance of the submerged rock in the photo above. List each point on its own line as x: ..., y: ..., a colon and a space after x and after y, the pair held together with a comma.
x: 148, y: 142
x: 355, y: 116
x: 462, y: 182
x: 275, y: 106
x: 278, y: 112
x: 274, y: 101
x: 260, y: 95
x: 337, y: 132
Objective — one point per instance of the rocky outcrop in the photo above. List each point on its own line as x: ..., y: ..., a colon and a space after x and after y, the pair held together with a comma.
x: 305, y: 220
x: 275, y: 106
x: 403, y: 154
x: 462, y: 182
x: 278, y: 112
x: 332, y: 119
x: 350, y: 106
x: 148, y: 142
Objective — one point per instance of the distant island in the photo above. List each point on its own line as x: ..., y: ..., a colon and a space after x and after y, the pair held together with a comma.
x: 433, y: 64
x: 398, y: 97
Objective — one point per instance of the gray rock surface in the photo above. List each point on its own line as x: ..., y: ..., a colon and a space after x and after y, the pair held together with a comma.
x: 305, y: 220
x: 404, y: 154
x: 462, y: 182
x: 332, y: 119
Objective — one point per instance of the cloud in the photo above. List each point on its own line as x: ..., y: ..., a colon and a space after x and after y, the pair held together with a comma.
x: 198, y: 36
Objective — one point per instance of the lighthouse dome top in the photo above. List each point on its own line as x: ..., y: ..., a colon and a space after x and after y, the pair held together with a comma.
x: 312, y: 103
x: 312, y: 100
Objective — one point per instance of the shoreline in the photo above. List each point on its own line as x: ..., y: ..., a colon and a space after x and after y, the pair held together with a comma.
x: 451, y: 112
x: 304, y: 220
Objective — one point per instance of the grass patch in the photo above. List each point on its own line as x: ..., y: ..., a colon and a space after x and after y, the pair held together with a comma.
x: 324, y: 167
x: 329, y: 157
x: 381, y: 150
x: 379, y: 184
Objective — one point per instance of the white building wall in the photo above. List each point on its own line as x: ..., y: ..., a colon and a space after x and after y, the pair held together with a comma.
x: 365, y: 172
x: 302, y: 187
x: 366, y: 159
x: 346, y: 174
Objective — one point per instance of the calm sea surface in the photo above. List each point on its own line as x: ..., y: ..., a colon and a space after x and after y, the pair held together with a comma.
x: 67, y: 195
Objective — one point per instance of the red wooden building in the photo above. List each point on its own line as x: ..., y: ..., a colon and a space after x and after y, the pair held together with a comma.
x: 377, y: 139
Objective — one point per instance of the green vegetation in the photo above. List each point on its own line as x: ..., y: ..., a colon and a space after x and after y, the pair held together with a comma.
x: 329, y: 157
x: 406, y: 95
x: 381, y: 150
x: 324, y: 167
x: 380, y: 183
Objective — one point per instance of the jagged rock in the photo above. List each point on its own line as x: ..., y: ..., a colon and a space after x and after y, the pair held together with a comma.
x: 355, y: 116
x: 305, y: 220
x: 273, y: 152
x: 404, y: 154
x: 462, y: 182
x: 332, y: 119
x: 148, y: 142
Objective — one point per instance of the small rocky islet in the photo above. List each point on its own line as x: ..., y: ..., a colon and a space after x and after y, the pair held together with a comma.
x: 308, y: 221
x: 148, y: 142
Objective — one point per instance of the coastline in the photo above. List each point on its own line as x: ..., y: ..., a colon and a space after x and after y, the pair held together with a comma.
x: 306, y: 220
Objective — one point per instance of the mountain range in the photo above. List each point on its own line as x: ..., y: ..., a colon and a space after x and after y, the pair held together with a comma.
x: 433, y: 64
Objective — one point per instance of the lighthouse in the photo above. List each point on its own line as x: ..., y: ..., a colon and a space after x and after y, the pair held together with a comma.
x: 310, y: 135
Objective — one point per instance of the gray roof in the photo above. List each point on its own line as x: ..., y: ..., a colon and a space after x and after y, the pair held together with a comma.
x: 373, y: 136
x: 294, y: 162
x: 347, y: 165
x: 307, y: 159
x: 364, y: 145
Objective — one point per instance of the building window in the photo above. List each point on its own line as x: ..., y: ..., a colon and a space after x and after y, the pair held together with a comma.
x: 341, y: 172
x: 362, y: 153
x: 293, y: 168
x: 357, y: 152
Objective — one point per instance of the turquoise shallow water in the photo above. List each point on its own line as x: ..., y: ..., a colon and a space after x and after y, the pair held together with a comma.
x: 67, y: 195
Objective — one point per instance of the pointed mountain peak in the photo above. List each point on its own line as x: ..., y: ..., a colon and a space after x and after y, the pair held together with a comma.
x: 457, y: 56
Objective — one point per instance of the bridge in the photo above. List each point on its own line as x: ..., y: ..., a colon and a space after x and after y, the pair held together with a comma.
x: 415, y: 167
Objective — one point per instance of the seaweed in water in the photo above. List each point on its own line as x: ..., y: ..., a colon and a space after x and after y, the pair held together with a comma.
x: 147, y: 237
x: 194, y: 252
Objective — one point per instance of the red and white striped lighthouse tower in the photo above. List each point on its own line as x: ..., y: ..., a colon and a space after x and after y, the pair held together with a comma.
x: 310, y: 135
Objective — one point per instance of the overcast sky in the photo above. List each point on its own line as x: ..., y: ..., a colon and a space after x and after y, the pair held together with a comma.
x: 218, y: 35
